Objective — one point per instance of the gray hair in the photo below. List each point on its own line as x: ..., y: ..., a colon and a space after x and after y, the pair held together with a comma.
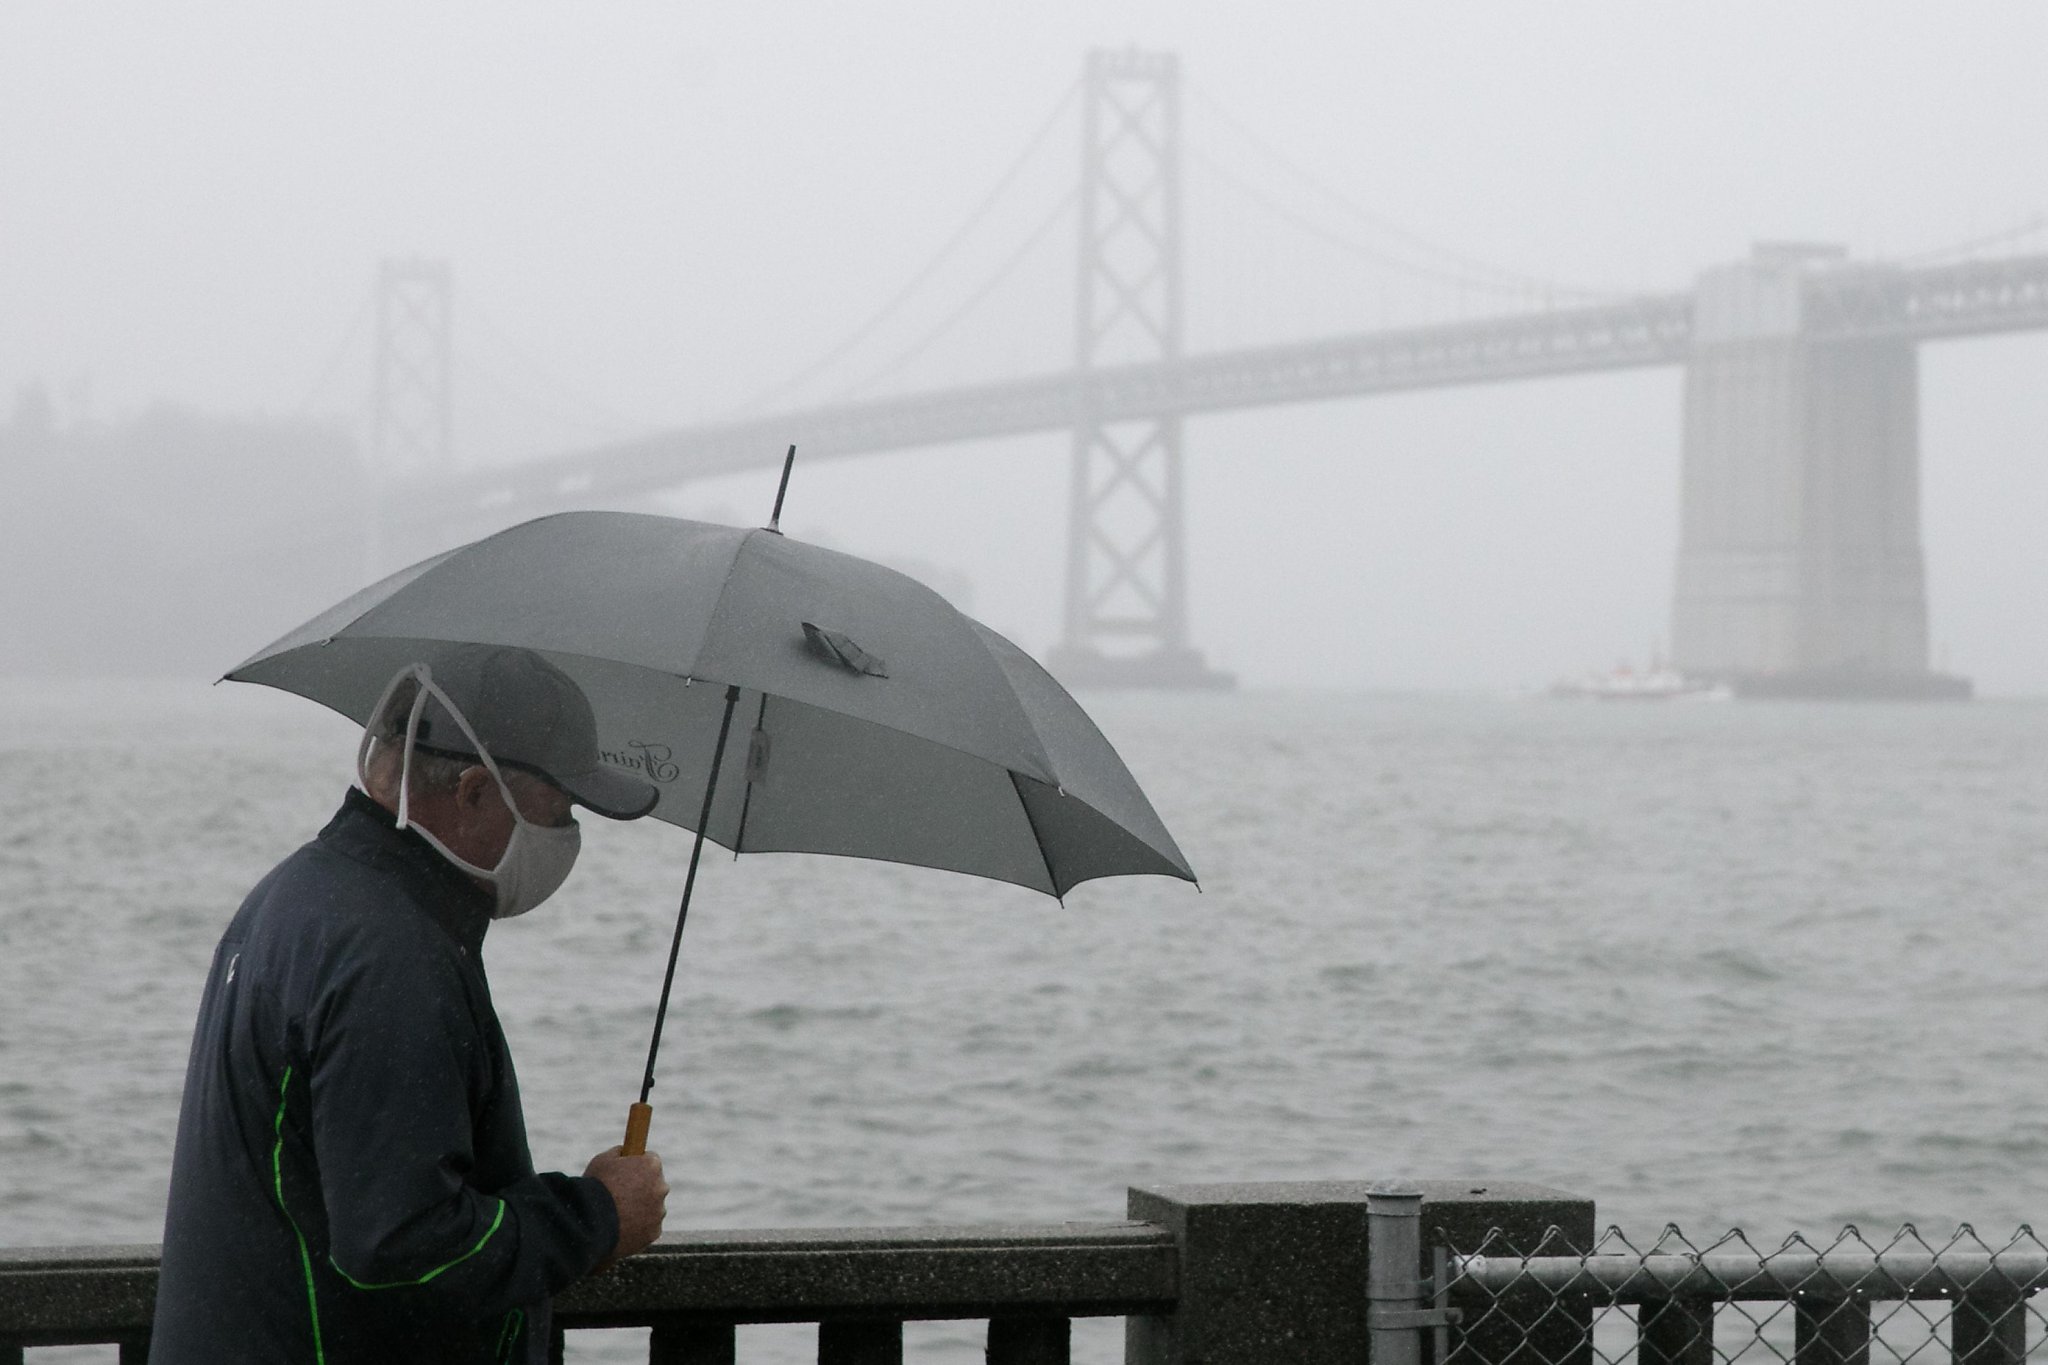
x: 430, y: 772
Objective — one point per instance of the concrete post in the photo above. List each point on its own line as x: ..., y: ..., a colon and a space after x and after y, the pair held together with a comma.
x: 1030, y: 1341
x: 1988, y: 1329
x: 860, y: 1343
x: 1831, y: 1332
x: 1279, y: 1271
x: 1680, y: 1332
x: 691, y: 1343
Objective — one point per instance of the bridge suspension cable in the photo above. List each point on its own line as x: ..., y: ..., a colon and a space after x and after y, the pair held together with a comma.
x: 547, y: 395
x: 2030, y: 227
x: 350, y: 335
x: 923, y: 275
x: 1351, y: 246
x: 1457, y: 267
x: 967, y: 306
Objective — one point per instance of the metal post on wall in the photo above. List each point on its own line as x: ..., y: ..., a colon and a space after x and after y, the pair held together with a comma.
x: 1401, y: 1305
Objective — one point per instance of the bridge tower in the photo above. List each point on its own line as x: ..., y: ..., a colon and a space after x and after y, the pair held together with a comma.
x: 411, y: 394
x: 1799, y: 569
x: 1126, y: 590
x: 411, y: 412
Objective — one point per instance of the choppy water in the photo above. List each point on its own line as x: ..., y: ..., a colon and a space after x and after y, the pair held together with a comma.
x: 1769, y: 965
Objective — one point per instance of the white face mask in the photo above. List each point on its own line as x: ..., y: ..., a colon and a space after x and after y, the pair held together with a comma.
x: 537, y: 858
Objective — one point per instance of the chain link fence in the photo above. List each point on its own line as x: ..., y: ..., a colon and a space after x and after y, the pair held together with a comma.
x: 1852, y: 1300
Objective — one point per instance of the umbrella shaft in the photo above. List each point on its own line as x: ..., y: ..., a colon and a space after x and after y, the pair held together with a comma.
x: 732, y: 697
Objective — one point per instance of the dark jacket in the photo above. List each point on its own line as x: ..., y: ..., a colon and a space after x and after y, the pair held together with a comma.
x: 352, y: 1181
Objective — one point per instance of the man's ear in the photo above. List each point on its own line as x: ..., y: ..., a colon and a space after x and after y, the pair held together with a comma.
x: 474, y: 788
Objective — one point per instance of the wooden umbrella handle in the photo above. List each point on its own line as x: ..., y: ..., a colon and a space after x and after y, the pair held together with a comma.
x: 637, y: 1120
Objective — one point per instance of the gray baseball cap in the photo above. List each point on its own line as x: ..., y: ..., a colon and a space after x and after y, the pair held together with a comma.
x: 529, y: 715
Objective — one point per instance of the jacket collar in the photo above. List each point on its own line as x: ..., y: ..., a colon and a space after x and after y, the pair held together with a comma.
x: 367, y: 832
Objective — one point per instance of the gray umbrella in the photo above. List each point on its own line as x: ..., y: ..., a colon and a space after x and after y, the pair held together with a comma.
x: 874, y: 719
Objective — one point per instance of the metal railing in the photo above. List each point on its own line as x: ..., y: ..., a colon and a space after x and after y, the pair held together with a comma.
x: 1848, y: 1300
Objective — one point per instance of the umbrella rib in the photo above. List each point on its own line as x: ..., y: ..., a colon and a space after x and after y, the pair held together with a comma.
x: 1038, y: 839
x: 991, y: 755
x: 739, y: 839
x: 1023, y: 712
x: 732, y: 567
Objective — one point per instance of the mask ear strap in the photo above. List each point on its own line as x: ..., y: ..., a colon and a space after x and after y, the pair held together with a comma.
x: 427, y: 688
x: 370, y: 739
x: 427, y: 684
x: 412, y: 728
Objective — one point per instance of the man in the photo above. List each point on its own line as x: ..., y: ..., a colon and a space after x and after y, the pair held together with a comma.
x: 352, y: 1181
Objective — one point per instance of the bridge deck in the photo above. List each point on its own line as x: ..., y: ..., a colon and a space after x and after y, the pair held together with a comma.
x: 1944, y: 301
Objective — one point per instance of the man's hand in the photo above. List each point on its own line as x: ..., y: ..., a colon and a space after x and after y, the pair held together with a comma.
x: 638, y: 1192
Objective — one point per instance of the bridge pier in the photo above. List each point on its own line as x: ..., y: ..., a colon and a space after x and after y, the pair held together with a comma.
x: 1800, y: 571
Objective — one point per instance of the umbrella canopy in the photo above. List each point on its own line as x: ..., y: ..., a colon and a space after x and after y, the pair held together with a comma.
x: 874, y: 719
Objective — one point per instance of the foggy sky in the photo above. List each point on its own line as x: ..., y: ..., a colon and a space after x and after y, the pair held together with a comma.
x: 656, y: 211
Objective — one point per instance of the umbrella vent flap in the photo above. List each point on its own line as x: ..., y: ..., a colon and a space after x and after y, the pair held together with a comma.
x: 835, y: 647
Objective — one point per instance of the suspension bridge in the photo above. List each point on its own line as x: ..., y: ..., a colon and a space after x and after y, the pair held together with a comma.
x: 1800, y: 563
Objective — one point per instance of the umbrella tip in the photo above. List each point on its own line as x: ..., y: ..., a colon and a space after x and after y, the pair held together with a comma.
x: 775, y: 517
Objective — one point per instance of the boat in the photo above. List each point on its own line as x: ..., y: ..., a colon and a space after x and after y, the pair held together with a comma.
x: 1658, y: 682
